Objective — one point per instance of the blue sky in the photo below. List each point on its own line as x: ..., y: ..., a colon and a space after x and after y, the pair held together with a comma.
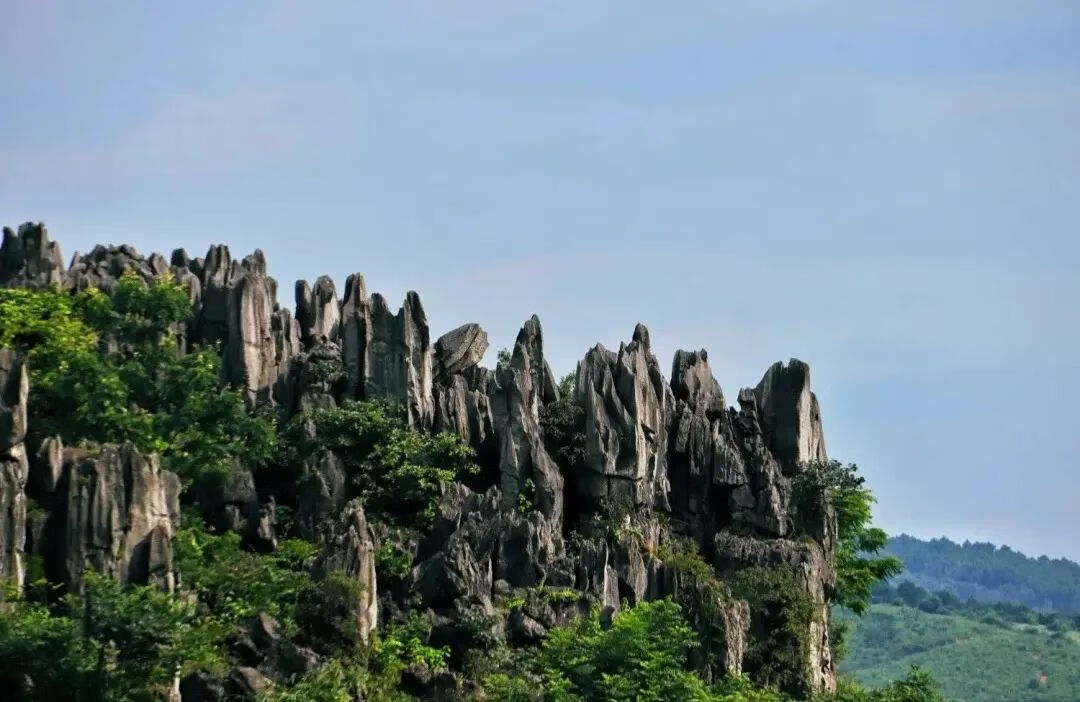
x: 887, y: 190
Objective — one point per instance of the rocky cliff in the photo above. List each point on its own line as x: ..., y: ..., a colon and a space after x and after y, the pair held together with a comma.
x: 662, y: 458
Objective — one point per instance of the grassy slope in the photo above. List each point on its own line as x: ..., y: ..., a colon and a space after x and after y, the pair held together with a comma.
x: 973, y: 661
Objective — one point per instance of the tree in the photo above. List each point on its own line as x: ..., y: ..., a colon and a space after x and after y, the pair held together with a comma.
x: 111, y: 369
x: 641, y: 656
x: 857, y: 541
x: 396, y: 469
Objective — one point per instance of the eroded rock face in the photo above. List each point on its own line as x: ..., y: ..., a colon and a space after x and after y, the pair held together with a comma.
x: 350, y: 548
x: 814, y: 571
x: 317, y: 311
x: 676, y: 458
x: 14, y: 386
x: 626, y: 403
x: 790, y: 416
x: 28, y: 259
x: 399, y: 357
x: 116, y: 512
x: 517, y: 394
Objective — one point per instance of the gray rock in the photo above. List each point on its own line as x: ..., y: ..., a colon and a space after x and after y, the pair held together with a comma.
x: 790, y: 416
x: 322, y: 494
x: 318, y: 311
x: 46, y: 470
x: 626, y: 403
x: 14, y: 468
x: 462, y: 407
x: 349, y: 547
x: 525, y: 467
x: 355, y: 335
x: 247, y: 683
x: 115, y: 515
x: 460, y: 349
x: 399, y: 357
x: 200, y: 687
x: 14, y: 390
x: 28, y: 259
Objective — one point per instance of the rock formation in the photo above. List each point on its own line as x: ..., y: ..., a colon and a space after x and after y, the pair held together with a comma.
x: 114, y: 511
x: 29, y: 259
x: 660, y: 459
x: 13, y: 466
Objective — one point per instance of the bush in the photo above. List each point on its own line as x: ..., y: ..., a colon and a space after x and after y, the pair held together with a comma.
x: 395, y: 468
x: 110, y: 369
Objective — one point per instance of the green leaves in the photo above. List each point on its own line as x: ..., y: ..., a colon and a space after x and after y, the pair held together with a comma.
x: 395, y: 468
x: 234, y: 584
x: 110, y: 369
x: 641, y: 656
x: 856, y: 540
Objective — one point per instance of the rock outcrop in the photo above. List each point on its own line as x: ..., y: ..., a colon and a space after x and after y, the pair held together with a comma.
x: 627, y: 405
x: 13, y: 466
x: 29, y: 259
x: 652, y: 460
x: 519, y: 389
x: 115, y: 511
x: 349, y: 548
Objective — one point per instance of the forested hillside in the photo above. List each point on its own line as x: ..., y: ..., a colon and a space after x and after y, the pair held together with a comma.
x: 989, y: 573
x: 975, y: 657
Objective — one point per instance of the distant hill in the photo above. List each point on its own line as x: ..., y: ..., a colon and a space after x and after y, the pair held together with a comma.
x: 988, y: 573
x: 975, y: 658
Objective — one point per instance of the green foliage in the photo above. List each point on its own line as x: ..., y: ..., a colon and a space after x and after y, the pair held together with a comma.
x: 234, y: 584
x: 917, y: 686
x: 642, y: 656
x: 857, y: 571
x: 503, y: 357
x: 110, y: 369
x: 702, y: 595
x: 336, y: 681
x: 392, y: 564
x: 395, y: 468
x: 107, y: 644
x: 971, y: 659
x: 563, y: 424
x: 781, y: 613
x: 141, y: 637
x: 327, y: 613
x: 989, y: 573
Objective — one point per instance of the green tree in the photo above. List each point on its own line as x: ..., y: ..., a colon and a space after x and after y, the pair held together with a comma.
x: 641, y: 656
x: 139, y: 638
x: 233, y: 584
x: 111, y: 369
x: 396, y: 468
x: 858, y: 568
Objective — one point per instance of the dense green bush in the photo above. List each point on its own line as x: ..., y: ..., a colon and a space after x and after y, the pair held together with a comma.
x: 107, y: 644
x: 234, y: 584
x: 394, y: 467
x: 563, y: 424
x: 781, y: 613
x: 110, y: 369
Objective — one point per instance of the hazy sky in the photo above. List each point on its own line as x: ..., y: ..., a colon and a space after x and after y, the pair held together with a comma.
x: 889, y: 191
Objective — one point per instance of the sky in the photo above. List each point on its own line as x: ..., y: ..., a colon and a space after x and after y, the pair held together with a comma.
x: 889, y: 191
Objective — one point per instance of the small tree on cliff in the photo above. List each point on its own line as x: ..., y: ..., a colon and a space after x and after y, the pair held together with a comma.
x: 858, y: 568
